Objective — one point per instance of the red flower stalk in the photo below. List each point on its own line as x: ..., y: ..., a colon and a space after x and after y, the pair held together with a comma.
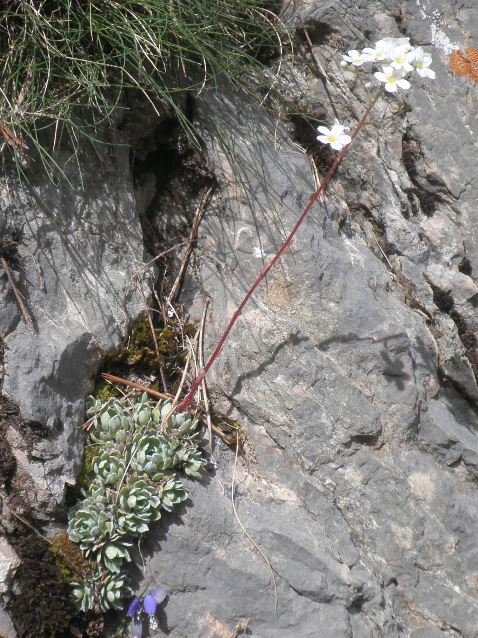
x: 268, y: 265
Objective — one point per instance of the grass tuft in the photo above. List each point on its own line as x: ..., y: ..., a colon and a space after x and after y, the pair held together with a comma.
x: 65, y: 64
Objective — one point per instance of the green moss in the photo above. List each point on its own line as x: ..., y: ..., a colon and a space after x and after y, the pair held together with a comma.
x: 87, y: 474
x: 105, y: 390
x: 141, y: 348
x: 69, y: 559
x: 139, y: 355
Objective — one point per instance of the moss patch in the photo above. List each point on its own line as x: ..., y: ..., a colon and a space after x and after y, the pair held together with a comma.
x: 140, y: 357
x: 140, y: 351
x: 69, y: 558
x: 87, y: 475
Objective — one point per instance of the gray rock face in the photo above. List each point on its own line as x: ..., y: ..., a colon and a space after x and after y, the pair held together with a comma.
x: 7, y: 630
x: 9, y: 561
x: 78, y: 250
x: 353, y: 373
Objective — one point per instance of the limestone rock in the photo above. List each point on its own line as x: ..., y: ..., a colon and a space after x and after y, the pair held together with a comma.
x: 7, y: 630
x: 78, y: 248
x: 351, y: 373
x: 9, y: 561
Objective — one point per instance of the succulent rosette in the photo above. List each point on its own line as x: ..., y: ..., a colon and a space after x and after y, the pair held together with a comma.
x: 90, y: 524
x: 143, y: 447
x: 138, y: 506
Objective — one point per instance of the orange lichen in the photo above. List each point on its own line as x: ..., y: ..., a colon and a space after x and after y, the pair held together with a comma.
x: 465, y: 63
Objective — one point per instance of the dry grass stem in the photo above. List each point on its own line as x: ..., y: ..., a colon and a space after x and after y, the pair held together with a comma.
x: 322, y: 73
x: 138, y: 386
x: 256, y: 546
x: 18, y: 297
x: 191, y: 243
x: 203, y: 384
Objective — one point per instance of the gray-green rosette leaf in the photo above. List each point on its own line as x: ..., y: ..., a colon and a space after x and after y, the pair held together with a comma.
x: 113, y: 426
x: 142, y: 413
x: 84, y: 595
x: 179, y: 425
x: 172, y: 493
x: 113, y: 589
x: 138, y: 506
x: 113, y: 553
x: 135, y: 477
x: 98, y: 491
x: 90, y: 524
x: 110, y: 466
x: 155, y: 456
x: 194, y: 464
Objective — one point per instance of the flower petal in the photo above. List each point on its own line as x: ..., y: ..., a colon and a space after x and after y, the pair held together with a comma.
x: 137, y: 628
x: 337, y: 129
x: 391, y: 88
x: 323, y: 138
x: 403, y: 84
x: 150, y: 604
x: 324, y: 130
x: 159, y: 593
x: 337, y: 146
x: 134, y: 607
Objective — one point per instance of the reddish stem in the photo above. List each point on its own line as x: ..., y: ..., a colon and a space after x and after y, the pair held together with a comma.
x: 268, y: 265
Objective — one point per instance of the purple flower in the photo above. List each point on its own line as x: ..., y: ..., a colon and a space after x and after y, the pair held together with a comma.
x: 150, y: 604
x: 134, y: 607
x: 137, y: 628
x: 155, y: 596
x: 153, y: 599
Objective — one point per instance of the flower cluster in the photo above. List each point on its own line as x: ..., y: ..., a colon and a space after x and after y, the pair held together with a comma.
x: 135, y: 477
x: 398, y: 58
x: 148, y: 605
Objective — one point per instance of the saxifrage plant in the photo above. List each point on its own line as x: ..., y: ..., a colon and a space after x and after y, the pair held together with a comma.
x: 400, y: 59
x: 135, y: 477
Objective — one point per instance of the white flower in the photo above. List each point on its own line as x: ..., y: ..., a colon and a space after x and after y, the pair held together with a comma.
x: 422, y: 63
x: 401, y: 57
x: 355, y: 58
x: 393, y: 79
x: 389, y: 45
x: 374, y: 55
x: 334, y: 136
